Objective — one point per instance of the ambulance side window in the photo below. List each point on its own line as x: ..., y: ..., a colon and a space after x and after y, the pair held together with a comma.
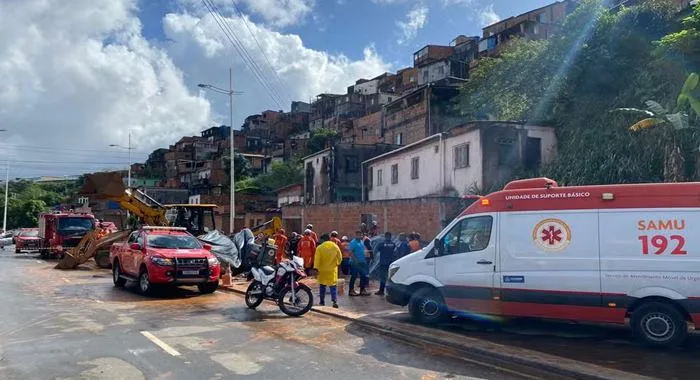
x: 132, y: 237
x: 469, y: 235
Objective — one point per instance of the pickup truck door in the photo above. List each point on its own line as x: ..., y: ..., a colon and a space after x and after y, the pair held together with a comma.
x: 466, y: 265
x: 126, y: 257
x: 136, y: 255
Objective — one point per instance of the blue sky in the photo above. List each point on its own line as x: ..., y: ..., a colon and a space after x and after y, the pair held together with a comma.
x: 348, y: 26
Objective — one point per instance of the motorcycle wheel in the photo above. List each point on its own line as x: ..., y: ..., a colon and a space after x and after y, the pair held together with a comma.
x: 304, y: 301
x: 254, y: 300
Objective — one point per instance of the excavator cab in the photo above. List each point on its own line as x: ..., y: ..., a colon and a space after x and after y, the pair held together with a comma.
x: 198, y: 219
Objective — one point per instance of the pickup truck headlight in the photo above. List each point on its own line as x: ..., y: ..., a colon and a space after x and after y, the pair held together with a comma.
x: 161, y: 261
x: 392, y: 272
x: 213, y: 261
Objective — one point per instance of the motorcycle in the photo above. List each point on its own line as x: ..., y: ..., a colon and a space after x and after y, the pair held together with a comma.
x: 280, y: 284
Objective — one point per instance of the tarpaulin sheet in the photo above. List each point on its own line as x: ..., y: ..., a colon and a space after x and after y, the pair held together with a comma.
x: 229, y: 251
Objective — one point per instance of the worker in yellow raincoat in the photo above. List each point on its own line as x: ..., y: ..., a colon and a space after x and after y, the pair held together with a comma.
x: 326, y: 261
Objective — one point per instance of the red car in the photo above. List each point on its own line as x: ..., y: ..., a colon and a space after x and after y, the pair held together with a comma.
x: 27, y: 240
x: 164, y: 256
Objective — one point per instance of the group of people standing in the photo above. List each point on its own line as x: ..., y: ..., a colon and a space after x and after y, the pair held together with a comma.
x: 329, y: 255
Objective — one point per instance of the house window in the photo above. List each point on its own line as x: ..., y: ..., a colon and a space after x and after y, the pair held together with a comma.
x: 399, y: 139
x: 379, y: 177
x: 82, y: 200
x: 461, y: 156
x: 370, y: 177
x: 542, y: 17
x: 425, y: 75
x: 441, y: 71
x: 394, y: 174
x: 411, y: 79
x: 352, y: 164
x: 415, y: 162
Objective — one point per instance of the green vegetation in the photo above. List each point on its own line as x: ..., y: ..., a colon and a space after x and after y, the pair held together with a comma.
x: 320, y: 139
x: 602, y: 61
x: 281, y: 174
x: 29, y: 199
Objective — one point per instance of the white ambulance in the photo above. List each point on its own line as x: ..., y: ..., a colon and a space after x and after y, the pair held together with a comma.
x: 608, y: 254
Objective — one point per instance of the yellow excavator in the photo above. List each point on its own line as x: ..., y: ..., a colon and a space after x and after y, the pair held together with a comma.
x: 197, y: 218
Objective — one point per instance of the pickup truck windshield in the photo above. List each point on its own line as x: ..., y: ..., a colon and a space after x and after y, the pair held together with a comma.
x: 32, y: 233
x: 74, y: 225
x: 173, y: 242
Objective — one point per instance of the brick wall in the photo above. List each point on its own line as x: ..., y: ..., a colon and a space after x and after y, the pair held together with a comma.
x: 426, y: 216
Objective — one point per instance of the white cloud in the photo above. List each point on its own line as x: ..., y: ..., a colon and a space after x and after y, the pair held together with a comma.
x: 303, y: 72
x: 281, y: 12
x: 79, y: 75
x: 415, y: 21
x: 461, y: 3
x: 488, y: 16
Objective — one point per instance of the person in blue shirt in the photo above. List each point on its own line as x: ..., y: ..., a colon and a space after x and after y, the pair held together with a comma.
x: 358, y: 266
x: 385, y: 249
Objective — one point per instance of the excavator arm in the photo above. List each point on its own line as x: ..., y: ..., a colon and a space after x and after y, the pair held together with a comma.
x: 268, y: 228
x: 109, y: 186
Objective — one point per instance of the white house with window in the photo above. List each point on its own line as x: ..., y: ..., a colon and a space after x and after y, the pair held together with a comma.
x: 470, y: 158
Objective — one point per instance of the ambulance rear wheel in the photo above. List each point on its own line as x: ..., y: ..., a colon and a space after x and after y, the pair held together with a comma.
x: 657, y: 324
x: 427, y: 306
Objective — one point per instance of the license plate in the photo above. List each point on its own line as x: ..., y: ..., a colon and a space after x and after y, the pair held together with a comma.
x: 190, y: 272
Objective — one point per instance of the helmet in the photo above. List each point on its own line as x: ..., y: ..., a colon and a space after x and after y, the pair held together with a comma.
x: 334, y: 233
x: 344, y: 238
x: 374, y: 222
x: 310, y: 226
x: 307, y: 231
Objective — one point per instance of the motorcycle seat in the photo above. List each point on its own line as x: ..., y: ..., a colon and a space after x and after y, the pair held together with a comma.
x: 268, y: 270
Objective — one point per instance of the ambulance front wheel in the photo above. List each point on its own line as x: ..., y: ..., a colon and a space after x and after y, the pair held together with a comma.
x: 657, y: 324
x: 427, y: 306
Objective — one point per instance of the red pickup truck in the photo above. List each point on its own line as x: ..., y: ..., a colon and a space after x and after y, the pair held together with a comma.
x: 164, y: 256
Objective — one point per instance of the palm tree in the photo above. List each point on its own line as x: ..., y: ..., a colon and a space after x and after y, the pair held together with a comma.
x: 658, y: 116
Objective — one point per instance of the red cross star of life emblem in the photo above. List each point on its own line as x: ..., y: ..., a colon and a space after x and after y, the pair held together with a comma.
x: 551, y: 235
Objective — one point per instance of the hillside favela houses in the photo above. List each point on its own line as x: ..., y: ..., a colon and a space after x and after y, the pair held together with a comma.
x: 402, y: 154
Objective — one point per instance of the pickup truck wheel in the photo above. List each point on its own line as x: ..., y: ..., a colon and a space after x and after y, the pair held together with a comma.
x: 145, y: 285
x: 119, y: 282
x: 427, y: 306
x: 209, y: 287
x: 657, y: 324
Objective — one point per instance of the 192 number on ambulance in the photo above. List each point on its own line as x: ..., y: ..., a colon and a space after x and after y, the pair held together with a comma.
x: 660, y: 244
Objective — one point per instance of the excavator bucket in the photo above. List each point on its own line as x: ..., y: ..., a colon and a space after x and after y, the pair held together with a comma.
x: 103, y: 185
x: 92, y: 242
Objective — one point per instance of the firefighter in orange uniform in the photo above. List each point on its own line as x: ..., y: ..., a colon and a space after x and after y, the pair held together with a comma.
x: 310, y: 227
x: 281, y: 243
x: 307, y: 249
x: 334, y: 238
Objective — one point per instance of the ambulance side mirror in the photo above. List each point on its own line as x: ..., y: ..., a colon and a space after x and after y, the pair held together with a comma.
x: 439, y: 246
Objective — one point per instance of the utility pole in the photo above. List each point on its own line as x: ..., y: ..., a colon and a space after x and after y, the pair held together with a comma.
x: 7, y: 185
x: 128, y: 180
x: 232, y: 213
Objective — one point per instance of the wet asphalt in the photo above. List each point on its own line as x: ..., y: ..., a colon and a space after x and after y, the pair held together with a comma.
x: 75, y: 325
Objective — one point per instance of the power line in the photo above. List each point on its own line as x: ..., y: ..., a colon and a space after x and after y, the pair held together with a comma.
x: 59, y: 148
x: 269, y: 64
x: 242, y: 51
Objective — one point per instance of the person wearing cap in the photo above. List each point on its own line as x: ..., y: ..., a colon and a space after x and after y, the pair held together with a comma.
x: 281, y: 243
x: 345, y: 250
x: 402, y: 248
x: 310, y: 227
x: 334, y: 238
x: 307, y: 248
x: 326, y: 261
x: 293, y: 242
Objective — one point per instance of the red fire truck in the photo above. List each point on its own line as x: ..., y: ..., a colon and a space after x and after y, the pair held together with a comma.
x: 60, y: 231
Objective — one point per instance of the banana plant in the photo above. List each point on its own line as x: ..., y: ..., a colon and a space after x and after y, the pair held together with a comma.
x: 656, y: 115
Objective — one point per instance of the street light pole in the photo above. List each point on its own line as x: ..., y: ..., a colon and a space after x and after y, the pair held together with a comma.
x: 7, y: 185
x: 232, y: 213
x: 230, y: 93
x: 128, y: 180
